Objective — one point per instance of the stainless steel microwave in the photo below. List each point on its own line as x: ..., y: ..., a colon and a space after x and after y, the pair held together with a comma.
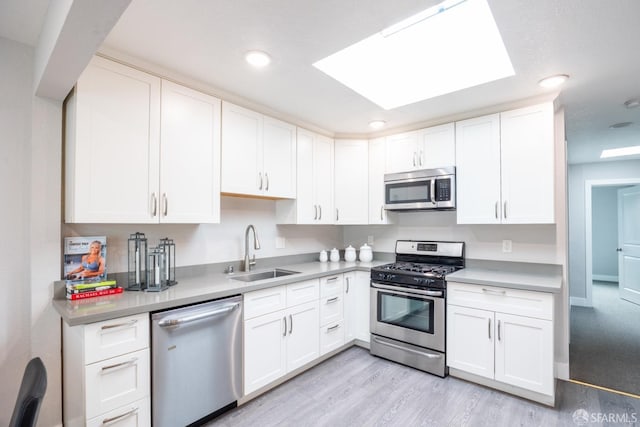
x: 421, y: 190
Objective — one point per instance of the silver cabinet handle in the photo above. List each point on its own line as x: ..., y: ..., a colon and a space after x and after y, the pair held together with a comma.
x: 315, y: 210
x: 496, y: 209
x: 320, y: 207
x: 266, y: 177
x: 499, y: 331
x: 154, y: 204
x: 489, y: 327
x: 165, y: 203
x: 120, y: 325
x: 347, y: 290
x: 505, y: 210
x: 284, y: 332
x: 493, y: 291
x: 119, y: 365
x: 381, y: 213
x: 332, y: 279
x: 420, y: 158
x: 414, y: 159
x: 164, y: 323
x: 260, y: 176
x: 112, y: 420
x: 337, y: 214
x: 290, y: 324
x: 333, y: 328
x: 332, y: 300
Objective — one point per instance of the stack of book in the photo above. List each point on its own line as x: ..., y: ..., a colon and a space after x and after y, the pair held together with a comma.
x: 78, y: 289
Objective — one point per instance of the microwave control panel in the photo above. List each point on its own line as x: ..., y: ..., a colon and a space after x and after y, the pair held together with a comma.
x: 443, y: 190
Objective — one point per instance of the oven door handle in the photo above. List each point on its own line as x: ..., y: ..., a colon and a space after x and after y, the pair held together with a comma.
x: 408, y: 350
x: 403, y: 291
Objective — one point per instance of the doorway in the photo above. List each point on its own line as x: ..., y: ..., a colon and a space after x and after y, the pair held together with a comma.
x: 604, y: 332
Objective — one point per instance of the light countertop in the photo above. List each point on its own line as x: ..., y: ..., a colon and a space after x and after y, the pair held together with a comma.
x: 533, y: 277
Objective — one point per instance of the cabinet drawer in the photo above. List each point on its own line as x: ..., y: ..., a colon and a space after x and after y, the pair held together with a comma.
x: 264, y: 301
x: 331, y: 337
x: 331, y: 309
x: 116, y: 382
x: 300, y: 293
x: 136, y: 414
x: 504, y: 300
x: 110, y: 338
x: 331, y: 285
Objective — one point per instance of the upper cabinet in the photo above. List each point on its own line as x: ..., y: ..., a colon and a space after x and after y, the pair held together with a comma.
x: 505, y: 167
x: 351, y: 181
x: 377, y: 159
x: 428, y: 148
x: 314, y: 178
x: 258, y: 154
x: 115, y: 134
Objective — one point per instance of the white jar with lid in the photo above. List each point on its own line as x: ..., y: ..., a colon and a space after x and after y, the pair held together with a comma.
x: 350, y: 254
x: 323, y: 256
x: 366, y: 253
x: 334, y: 256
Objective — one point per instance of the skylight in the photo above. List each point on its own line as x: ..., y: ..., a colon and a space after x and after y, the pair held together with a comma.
x: 451, y: 46
x: 619, y: 152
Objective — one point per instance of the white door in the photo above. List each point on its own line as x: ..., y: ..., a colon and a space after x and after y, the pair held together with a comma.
x: 402, y: 152
x: 264, y: 350
x: 363, y: 301
x: 306, y: 208
x: 629, y: 243
x: 478, y: 170
x: 524, y: 352
x: 303, y: 335
x: 437, y: 148
x: 279, y: 153
x: 323, y: 178
x: 189, y: 156
x: 350, y: 306
x: 470, y: 338
x: 351, y: 182
x: 377, y: 161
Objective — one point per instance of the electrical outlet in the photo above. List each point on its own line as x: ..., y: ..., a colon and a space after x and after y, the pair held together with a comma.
x: 506, y: 246
x: 369, y: 240
x: 280, y: 243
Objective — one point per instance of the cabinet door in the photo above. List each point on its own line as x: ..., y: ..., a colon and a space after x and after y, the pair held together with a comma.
x: 112, y: 146
x: 136, y: 414
x: 437, y: 146
x: 264, y: 350
x: 190, y: 156
x: 470, y: 338
x: 305, y: 205
x: 323, y: 178
x: 279, y: 153
x: 377, y: 160
x: 402, y: 152
x: 362, y: 301
x: 478, y: 170
x: 351, y: 182
x: 524, y: 352
x: 350, y: 306
x: 303, y: 338
x: 527, y: 146
x: 241, y: 150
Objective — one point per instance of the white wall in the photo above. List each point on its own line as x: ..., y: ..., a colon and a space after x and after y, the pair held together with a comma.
x: 212, y: 243
x: 578, y: 176
x: 604, y: 208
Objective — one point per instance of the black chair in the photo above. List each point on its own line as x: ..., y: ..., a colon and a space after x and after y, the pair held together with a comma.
x: 34, y: 384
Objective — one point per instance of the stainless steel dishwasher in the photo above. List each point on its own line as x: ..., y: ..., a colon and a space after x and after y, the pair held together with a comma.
x: 196, y: 362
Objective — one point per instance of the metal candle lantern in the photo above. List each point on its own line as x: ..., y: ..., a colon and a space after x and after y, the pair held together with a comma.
x: 156, y: 270
x: 169, y: 248
x: 137, y: 262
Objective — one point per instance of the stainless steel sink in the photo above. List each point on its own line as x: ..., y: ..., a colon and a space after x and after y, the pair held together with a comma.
x: 262, y: 275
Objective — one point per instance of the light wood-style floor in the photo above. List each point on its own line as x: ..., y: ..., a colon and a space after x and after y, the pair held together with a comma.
x: 357, y: 389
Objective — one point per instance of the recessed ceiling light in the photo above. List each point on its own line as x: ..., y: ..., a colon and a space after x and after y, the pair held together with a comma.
x: 257, y: 58
x: 620, y: 125
x: 632, y: 103
x: 553, y: 81
x: 377, y: 124
x: 619, y: 152
x: 448, y: 47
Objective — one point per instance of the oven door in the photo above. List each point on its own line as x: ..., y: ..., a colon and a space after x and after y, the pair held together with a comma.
x: 413, y: 316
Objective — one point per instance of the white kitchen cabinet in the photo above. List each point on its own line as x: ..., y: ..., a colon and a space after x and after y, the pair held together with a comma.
x: 351, y: 180
x: 314, y: 179
x: 332, y: 323
x: 427, y: 148
x: 350, y: 306
x: 279, y: 340
x: 505, y: 167
x: 258, y: 154
x: 377, y: 169
x: 363, y: 301
x: 502, y: 334
x: 126, y: 162
x: 106, y: 372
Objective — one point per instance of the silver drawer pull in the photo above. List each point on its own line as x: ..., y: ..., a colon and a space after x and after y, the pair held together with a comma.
x: 332, y: 279
x: 333, y: 328
x: 120, y: 325
x: 493, y: 291
x: 330, y: 300
x: 112, y: 420
x: 489, y: 327
x: 119, y: 365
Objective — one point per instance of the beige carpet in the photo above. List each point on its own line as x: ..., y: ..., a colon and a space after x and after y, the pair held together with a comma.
x: 605, y: 341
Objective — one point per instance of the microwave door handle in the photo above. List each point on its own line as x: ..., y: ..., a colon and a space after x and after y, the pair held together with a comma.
x: 433, y: 191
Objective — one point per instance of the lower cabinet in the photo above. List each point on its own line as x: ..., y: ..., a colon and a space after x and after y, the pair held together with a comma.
x: 504, y: 335
x: 356, y: 306
x: 332, y: 322
x: 106, y: 373
x: 278, y: 340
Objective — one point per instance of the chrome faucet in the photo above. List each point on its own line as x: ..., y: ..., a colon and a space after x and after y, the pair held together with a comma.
x: 248, y: 263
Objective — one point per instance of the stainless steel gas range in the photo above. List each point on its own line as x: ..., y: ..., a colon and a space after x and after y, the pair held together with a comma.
x: 408, y: 302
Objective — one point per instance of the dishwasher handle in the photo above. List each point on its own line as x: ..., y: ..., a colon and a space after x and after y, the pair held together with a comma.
x: 165, y: 323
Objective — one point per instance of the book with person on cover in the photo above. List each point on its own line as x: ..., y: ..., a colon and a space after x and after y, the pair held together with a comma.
x: 85, y: 258
x: 92, y: 294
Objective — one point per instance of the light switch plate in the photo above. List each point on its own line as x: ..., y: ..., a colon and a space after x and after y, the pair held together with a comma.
x: 280, y: 243
x: 369, y: 240
x: 506, y: 246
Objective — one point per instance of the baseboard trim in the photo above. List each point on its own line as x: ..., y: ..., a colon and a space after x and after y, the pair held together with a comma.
x: 562, y: 371
x: 580, y: 302
x: 604, y: 278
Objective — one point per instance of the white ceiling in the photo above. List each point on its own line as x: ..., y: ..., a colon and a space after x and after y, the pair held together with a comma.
x: 596, y: 42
